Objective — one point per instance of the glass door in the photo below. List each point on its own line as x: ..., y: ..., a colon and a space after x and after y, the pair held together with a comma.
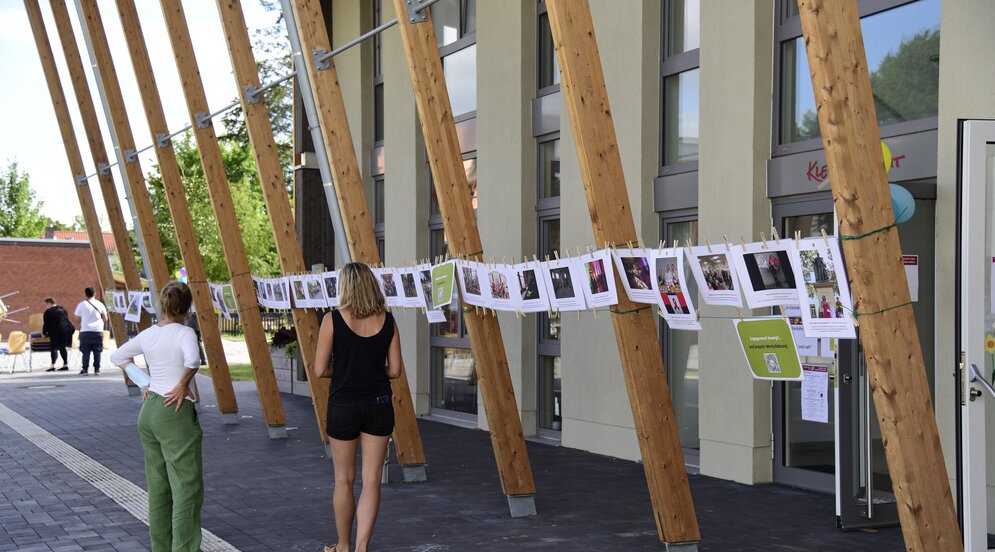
x: 976, y: 315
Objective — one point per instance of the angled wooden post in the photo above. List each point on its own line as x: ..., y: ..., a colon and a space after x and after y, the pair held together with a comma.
x: 895, y: 366
x: 104, y: 273
x: 584, y: 89
x: 224, y: 212
x: 446, y: 161
x: 98, y: 151
x: 334, y: 125
x: 275, y: 191
x: 176, y: 199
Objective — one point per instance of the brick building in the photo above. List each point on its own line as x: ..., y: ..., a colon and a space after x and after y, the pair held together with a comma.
x: 40, y: 268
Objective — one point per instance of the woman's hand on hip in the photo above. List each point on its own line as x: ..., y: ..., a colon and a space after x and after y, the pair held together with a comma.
x: 176, y: 396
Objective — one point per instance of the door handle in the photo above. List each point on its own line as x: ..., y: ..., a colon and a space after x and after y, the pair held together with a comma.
x: 846, y: 379
x: 977, y: 376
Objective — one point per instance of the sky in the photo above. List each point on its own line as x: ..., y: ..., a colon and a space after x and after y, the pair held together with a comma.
x: 29, y: 132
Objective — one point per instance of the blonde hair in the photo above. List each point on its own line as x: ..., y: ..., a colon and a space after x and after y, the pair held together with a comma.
x: 359, y: 291
x: 175, y: 299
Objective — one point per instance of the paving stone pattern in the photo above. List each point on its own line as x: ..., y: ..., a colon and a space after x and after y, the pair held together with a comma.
x: 275, y: 495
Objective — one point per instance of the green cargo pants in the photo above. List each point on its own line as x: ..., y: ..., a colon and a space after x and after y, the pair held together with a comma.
x: 173, y: 470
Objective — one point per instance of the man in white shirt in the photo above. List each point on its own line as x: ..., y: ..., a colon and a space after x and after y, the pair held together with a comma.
x: 92, y: 316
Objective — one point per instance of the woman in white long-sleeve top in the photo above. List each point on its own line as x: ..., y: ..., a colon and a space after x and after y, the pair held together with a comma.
x: 171, y: 436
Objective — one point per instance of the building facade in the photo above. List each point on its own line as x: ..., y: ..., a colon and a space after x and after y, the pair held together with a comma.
x: 715, y: 119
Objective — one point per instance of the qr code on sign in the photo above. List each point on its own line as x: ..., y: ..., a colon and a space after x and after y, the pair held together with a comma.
x: 772, y: 366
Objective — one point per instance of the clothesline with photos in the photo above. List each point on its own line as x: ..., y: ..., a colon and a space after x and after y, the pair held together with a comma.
x: 804, y: 277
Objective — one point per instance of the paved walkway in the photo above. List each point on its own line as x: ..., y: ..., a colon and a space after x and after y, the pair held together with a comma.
x: 71, y: 479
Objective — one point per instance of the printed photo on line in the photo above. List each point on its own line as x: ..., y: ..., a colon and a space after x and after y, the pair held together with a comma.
x: 599, y: 282
x: 715, y: 274
x: 768, y: 275
x: 673, y: 294
x: 565, y: 284
x: 563, y: 287
x: 531, y: 288
x: 824, y: 294
x: 499, y: 285
x: 408, y: 285
x: 635, y: 274
x: 331, y: 280
x: 300, y: 296
x: 425, y: 278
x: 471, y: 280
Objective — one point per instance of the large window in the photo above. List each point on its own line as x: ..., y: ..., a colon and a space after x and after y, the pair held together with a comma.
x: 377, y: 154
x: 680, y: 348
x: 549, y: 331
x: 679, y: 86
x: 455, y: 23
x: 902, y: 42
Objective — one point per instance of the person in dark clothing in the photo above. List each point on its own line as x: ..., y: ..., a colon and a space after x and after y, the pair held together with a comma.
x: 59, y: 330
x: 363, y: 340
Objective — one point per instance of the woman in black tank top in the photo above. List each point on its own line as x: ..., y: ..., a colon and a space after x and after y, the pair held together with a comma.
x: 360, y: 349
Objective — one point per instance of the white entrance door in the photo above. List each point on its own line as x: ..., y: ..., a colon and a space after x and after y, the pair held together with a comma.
x: 977, y: 314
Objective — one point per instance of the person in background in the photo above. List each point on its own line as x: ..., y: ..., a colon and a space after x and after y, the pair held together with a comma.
x: 170, y: 433
x: 363, y: 339
x: 92, y: 316
x: 59, y: 330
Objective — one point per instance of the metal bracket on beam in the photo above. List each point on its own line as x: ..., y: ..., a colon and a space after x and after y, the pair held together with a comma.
x: 416, y: 10
x: 322, y: 60
x: 81, y: 180
x: 104, y: 169
x: 130, y: 155
x: 162, y: 140
x: 252, y: 94
x: 202, y: 120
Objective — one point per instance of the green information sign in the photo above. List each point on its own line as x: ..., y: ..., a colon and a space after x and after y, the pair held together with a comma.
x: 769, y: 348
x: 443, y: 281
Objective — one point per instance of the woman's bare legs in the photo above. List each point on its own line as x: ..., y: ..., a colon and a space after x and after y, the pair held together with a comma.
x: 343, y: 502
x: 374, y: 449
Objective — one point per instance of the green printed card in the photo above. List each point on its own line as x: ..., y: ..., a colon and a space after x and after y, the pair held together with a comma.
x: 769, y: 348
x: 443, y: 281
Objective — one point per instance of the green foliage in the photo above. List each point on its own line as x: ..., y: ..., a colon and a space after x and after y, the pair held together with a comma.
x: 20, y: 213
x: 247, y: 200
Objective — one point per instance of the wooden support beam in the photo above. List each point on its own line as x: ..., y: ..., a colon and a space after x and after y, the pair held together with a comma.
x: 119, y: 125
x: 583, y: 86
x: 334, y: 124
x: 446, y: 161
x: 224, y: 212
x: 275, y: 192
x: 104, y: 273
x: 98, y: 152
x: 852, y: 143
x: 180, y: 210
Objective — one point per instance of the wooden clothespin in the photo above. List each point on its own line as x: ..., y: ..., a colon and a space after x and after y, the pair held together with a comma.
x: 697, y: 315
x: 677, y: 242
x: 740, y: 312
x: 708, y: 245
x: 595, y: 313
x: 725, y: 239
x: 798, y: 238
x: 825, y: 237
x: 629, y: 244
x: 556, y: 254
x: 777, y: 238
x: 689, y: 243
x: 763, y: 238
x: 640, y: 242
x: 742, y: 241
x: 578, y: 250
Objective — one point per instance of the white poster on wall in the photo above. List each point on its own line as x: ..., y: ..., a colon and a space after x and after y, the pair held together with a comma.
x: 533, y: 292
x: 670, y: 285
x: 563, y: 284
x: 599, y: 279
x: 716, y: 275
x: 824, y: 295
x: 635, y: 274
x: 767, y: 274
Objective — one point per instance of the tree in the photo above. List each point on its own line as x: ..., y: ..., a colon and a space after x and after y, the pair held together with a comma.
x: 247, y: 199
x: 20, y: 213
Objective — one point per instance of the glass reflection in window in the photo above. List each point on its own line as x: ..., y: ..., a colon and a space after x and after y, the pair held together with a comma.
x: 684, y: 24
x: 681, y: 354
x: 460, y: 69
x: 445, y: 21
x: 549, y: 153
x: 680, y: 119
x: 903, y: 52
x: 455, y: 380
x: 551, y: 395
x: 549, y: 66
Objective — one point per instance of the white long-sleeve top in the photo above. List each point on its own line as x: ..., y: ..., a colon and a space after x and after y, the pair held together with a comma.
x: 169, y: 350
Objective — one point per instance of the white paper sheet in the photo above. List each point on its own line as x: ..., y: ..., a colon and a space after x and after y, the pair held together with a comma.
x: 715, y: 273
x: 147, y: 302
x: 598, y: 278
x: 281, y: 293
x: 472, y: 283
x: 824, y: 292
x: 807, y: 346
x: 330, y: 286
x: 815, y: 393
x: 911, y: 263
x: 409, y: 288
x: 134, y: 313
x: 636, y: 274
x: 532, y: 289
x: 501, y: 283
x: 298, y: 292
x: 563, y: 284
x: 389, y: 285
x: 670, y: 287
x: 767, y: 274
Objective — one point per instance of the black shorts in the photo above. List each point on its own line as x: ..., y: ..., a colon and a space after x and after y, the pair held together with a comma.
x: 346, y: 421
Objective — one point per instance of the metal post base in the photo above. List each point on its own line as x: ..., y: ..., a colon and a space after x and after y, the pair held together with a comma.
x: 277, y: 432
x: 522, y: 506
x: 415, y: 473
x: 230, y: 418
x: 681, y: 546
x: 134, y: 391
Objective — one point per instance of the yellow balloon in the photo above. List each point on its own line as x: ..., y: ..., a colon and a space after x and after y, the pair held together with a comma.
x: 886, y: 152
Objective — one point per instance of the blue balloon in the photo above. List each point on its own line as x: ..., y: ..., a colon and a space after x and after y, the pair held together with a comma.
x: 902, y: 203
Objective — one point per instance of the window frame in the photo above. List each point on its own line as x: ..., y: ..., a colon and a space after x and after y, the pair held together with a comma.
x: 672, y: 65
x: 553, y: 88
x: 789, y: 28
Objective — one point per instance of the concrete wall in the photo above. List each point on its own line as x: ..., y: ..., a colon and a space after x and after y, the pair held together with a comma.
x: 966, y: 91
x: 735, y: 121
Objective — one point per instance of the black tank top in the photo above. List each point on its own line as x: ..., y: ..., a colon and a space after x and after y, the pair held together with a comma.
x: 359, y: 362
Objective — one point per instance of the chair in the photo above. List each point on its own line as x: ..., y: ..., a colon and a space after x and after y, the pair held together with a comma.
x: 36, y: 322
x: 16, y: 348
